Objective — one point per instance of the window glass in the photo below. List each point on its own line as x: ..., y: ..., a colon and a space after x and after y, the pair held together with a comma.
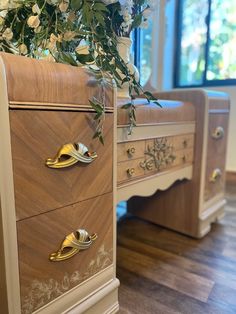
x: 145, y: 52
x: 193, y: 42
x: 222, y: 45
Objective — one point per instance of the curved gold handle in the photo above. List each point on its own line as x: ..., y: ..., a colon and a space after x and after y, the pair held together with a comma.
x: 130, y: 171
x: 73, y: 243
x: 218, y: 133
x: 73, y: 154
x: 216, y: 174
x: 131, y: 151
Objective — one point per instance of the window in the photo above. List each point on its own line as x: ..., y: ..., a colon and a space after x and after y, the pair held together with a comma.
x: 206, y: 41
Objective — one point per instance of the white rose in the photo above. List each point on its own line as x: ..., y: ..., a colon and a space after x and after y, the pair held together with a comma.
x: 147, y: 12
x: 36, y: 9
x: 63, y: 6
x: 33, y: 21
x: 3, y: 13
x: 7, y: 34
x: 23, y: 49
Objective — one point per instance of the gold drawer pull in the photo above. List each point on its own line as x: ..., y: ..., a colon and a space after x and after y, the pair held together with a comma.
x: 131, y: 172
x: 216, y: 175
x: 73, y: 243
x: 218, y: 133
x: 131, y: 151
x: 73, y: 154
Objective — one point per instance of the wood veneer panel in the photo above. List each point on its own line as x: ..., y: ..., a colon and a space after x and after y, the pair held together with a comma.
x: 171, y: 111
x: 30, y: 80
x: 42, y: 280
x: 36, y: 136
x: 216, y: 155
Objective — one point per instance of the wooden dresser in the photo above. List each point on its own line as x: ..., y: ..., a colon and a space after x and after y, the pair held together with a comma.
x: 159, y: 151
x: 57, y: 189
x: 190, y: 206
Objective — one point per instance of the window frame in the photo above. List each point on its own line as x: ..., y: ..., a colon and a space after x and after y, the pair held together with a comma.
x: 177, y: 54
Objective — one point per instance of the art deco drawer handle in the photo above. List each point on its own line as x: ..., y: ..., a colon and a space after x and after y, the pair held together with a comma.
x: 73, y: 243
x: 218, y: 133
x: 130, y: 171
x: 131, y: 151
x: 70, y: 154
x: 216, y: 174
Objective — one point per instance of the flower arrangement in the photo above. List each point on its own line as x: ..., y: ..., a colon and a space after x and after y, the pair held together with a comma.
x: 55, y: 30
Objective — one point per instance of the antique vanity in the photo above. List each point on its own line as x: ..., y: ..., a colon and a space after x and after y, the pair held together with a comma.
x: 59, y: 188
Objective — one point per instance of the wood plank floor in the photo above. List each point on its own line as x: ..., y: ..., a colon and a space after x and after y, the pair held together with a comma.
x: 165, y: 272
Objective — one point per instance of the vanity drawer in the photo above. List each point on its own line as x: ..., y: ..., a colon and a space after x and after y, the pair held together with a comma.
x: 142, y: 167
x: 217, y: 135
x: 42, y: 280
x: 130, y: 150
x: 38, y: 135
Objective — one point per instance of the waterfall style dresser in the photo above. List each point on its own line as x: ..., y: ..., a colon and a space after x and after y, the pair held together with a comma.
x: 57, y: 189
x: 190, y: 206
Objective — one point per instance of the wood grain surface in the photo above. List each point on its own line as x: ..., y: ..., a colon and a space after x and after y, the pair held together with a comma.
x: 171, y: 208
x: 216, y: 155
x: 171, y: 111
x: 42, y: 280
x: 38, y: 135
x: 200, y: 275
x: 30, y: 80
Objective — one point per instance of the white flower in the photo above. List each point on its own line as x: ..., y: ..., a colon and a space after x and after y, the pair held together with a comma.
x: 33, y: 21
x: 23, y: 49
x: 63, y: 6
x: 7, y: 34
x: 144, y: 24
x: 3, y: 13
x: 9, y: 4
x: 36, y: 9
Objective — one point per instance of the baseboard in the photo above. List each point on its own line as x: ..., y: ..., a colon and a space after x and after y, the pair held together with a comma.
x: 230, y: 177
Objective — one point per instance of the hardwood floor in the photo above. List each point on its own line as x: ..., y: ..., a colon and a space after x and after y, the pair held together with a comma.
x: 163, y: 272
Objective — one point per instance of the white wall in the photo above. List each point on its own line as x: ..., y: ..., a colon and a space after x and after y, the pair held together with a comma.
x: 162, y: 76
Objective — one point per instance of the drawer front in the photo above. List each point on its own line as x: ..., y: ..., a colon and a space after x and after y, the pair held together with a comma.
x: 216, y: 155
x: 130, y: 150
x: 42, y: 280
x: 38, y: 135
x: 142, y: 167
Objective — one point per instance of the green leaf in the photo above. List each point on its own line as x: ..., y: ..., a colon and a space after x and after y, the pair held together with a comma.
x: 66, y: 57
x: 76, y: 4
x: 137, y: 21
x: 84, y: 58
x: 100, y: 7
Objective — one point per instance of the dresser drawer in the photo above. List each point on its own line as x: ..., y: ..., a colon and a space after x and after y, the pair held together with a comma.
x: 42, y: 280
x: 216, y: 155
x: 130, y: 150
x: 217, y: 134
x: 38, y: 135
x: 142, y: 167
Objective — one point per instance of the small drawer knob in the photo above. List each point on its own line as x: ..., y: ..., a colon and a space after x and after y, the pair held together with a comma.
x: 216, y: 175
x: 130, y: 172
x: 218, y: 133
x: 185, y: 143
x: 131, y: 151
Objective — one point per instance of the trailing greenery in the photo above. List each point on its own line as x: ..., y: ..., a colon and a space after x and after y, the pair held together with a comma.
x: 57, y: 30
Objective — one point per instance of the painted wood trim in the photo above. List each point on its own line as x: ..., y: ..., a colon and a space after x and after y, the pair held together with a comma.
x: 80, y: 293
x: 104, y: 301
x: 211, y: 210
x: 150, y: 131
x: 161, y: 181
x: 8, y: 202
